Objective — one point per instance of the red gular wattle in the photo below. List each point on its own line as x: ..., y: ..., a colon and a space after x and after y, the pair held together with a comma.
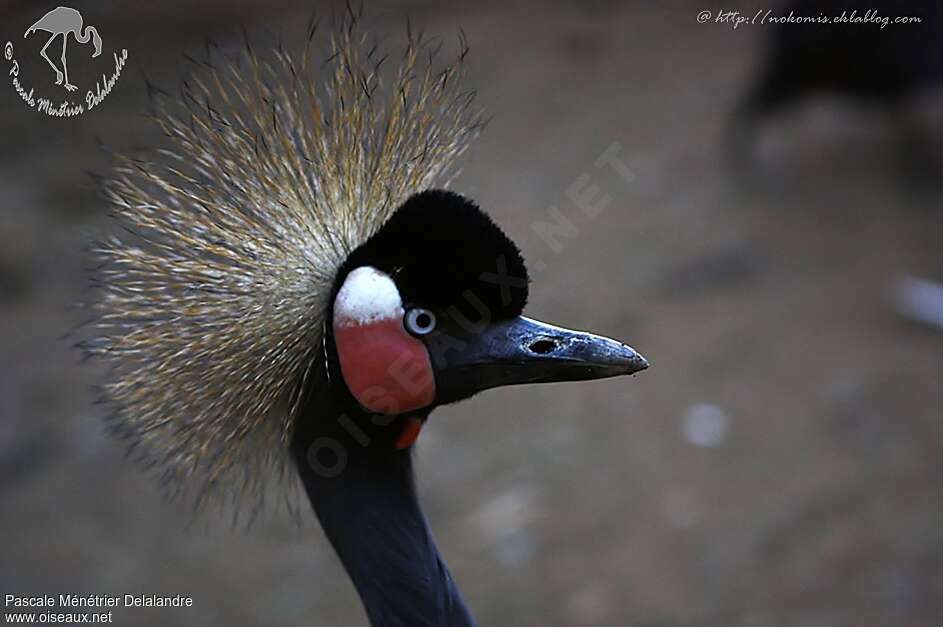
x: 385, y: 368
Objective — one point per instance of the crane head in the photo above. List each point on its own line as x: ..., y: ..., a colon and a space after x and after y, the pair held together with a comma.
x: 428, y: 312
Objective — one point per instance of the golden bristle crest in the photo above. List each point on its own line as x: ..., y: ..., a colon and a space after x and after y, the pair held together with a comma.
x: 214, y: 296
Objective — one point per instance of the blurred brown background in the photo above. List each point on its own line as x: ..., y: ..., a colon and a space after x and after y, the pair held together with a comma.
x: 779, y: 464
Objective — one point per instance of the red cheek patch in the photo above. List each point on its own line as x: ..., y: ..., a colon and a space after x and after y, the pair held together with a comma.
x: 386, y: 369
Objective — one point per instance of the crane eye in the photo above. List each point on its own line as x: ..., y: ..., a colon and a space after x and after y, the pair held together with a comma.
x: 420, y: 321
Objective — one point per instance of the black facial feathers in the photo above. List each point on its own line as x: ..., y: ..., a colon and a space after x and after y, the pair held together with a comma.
x: 443, y: 251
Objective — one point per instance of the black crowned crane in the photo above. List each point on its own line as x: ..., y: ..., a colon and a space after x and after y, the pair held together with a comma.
x: 294, y: 298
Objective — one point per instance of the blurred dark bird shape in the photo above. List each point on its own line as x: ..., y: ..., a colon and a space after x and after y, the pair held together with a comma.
x: 866, y: 62
x: 873, y: 62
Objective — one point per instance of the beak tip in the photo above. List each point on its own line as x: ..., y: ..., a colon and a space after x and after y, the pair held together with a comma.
x: 637, y: 363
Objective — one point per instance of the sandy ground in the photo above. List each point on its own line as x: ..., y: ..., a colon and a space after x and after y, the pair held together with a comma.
x: 777, y: 466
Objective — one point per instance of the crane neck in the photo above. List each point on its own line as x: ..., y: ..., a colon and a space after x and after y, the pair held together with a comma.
x: 365, y: 499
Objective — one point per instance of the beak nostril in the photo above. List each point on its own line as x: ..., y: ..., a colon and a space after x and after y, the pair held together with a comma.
x: 543, y: 346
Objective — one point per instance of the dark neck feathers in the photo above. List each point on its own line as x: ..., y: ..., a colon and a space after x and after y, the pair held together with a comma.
x: 365, y: 499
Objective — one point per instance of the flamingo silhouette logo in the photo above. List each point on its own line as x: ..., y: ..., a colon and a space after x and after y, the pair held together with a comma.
x: 62, y: 21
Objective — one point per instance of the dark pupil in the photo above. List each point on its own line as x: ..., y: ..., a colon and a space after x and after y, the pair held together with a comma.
x: 423, y: 320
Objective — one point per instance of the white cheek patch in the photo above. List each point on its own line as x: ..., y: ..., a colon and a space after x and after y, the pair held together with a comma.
x: 367, y: 296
